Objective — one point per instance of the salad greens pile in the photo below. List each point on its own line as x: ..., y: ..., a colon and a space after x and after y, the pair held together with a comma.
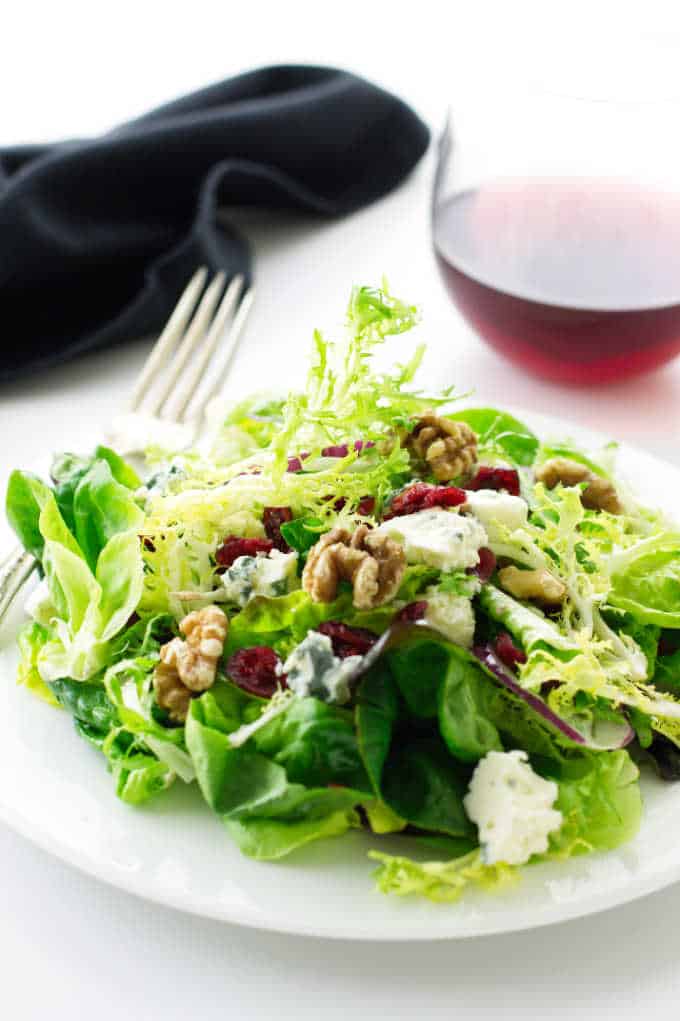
x: 324, y: 716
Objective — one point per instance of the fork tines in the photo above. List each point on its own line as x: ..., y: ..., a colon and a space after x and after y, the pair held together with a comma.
x: 187, y: 364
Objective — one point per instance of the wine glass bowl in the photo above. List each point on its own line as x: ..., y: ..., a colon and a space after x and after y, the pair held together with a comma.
x: 558, y: 237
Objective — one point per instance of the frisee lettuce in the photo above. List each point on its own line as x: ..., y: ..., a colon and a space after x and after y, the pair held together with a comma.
x: 343, y: 397
x: 440, y: 881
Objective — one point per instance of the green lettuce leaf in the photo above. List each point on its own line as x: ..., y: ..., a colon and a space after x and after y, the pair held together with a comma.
x: 267, y: 620
x: 646, y: 581
x: 316, y: 744
x: 87, y: 703
x: 529, y: 626
x: 270, y: 839
x: 139, y: 774
x: 411, y: 770
x: 92, y: 607
x: 102, y: 508
x: 26, y: 496
x: 475, y: 714
x: 646, y: 636
x: 440, y: 881
x: 416, y: 578
x: 266, y: 812
x: 599, y: 797
x: 500, y: 434
x: 68, y: 471
x: 467, y: 701
x: 143, y: 638
x: 419, y: 669
x: 128, y: 685
x: 667, y: 673
x: 31, y: 640
x: 302, y: 533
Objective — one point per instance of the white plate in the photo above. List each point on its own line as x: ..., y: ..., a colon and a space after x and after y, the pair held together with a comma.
x: 55, y: 790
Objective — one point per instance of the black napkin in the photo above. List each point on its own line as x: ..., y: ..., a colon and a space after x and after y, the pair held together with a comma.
x: 99, y: 236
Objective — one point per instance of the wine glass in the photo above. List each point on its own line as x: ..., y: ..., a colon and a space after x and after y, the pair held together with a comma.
x: 556, y: 225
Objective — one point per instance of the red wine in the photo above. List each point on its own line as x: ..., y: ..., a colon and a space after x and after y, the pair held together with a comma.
x: 577, y: 279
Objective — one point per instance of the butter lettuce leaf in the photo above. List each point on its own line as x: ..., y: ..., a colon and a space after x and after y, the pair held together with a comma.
x: 500, y: 435
x: 31, y: 640
x: 102, y: 508
x: 600, y: 801
x: 645, y: 580
x: 315, y: 743
x: 270, y: 839
x: 266, y: 811
x: 26, y: 496
x: 91, y: 607
x: 410, y: 768
x: 138, y: 772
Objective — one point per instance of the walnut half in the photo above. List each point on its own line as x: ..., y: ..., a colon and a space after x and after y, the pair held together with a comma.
x: 189, y: 666
x: 371, y: 561
x: 448, y: 448
x: 540, y: 585
x: 599, y: 494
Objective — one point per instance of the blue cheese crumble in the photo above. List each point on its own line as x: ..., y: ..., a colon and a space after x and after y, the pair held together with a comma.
x: 452, y: 615
x: 512, y: 807
x: 273, y: 574
x: 312, y: 668
x: 438, y: 538
x: 497, y: 511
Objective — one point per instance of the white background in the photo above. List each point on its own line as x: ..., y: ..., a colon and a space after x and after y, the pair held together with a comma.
x: 71, y: 947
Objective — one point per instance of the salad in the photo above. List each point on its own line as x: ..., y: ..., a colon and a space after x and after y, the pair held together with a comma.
x: 365, y: 606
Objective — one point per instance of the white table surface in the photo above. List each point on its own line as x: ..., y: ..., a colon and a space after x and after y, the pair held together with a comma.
x: 73, y: 947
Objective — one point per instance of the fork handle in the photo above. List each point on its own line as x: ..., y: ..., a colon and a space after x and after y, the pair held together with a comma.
x: 14, y: 574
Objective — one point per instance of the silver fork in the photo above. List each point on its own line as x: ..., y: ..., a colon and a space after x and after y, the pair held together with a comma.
x: 185, y: 369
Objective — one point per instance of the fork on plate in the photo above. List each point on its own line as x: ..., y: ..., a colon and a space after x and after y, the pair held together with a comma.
x: 184, y: 371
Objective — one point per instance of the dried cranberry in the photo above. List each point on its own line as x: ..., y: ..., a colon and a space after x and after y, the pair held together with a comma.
x: 486, y: 565
x: 495, y: 478
x: 412, y: 611
x: 148, y: 544
x: 507, y: 651
x: 422, y: 495
x: 234, y: 546
x: 254, y: 670
x: 347, y: 641
x: 365, y: 506
x: 295, y: 463
x: 342, y: 449
x: 669, y: 642
x: 272, y: 519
